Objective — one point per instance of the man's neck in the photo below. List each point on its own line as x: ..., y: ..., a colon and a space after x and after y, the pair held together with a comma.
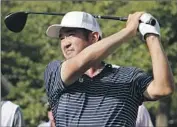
x: 95, y: 70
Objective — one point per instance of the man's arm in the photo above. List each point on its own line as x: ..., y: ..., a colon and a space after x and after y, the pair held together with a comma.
x: 163, y: 83
x: 73, y: 68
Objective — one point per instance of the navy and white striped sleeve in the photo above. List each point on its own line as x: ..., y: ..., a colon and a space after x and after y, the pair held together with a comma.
x: 141, y: 80
x: 53, y: 82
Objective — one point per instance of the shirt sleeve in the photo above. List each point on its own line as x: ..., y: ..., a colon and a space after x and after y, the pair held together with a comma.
x: 141, y: 80
x: 18, y: 119
x: 53, y: 83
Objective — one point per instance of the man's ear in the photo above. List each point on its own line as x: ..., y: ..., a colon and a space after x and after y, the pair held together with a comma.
x: 94, y: 37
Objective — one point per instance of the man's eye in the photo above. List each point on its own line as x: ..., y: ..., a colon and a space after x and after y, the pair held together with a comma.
x: 71, y: 34
x: 61, y: 38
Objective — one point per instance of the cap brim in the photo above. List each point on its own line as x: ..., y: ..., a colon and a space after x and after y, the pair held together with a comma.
x: 53, y: 30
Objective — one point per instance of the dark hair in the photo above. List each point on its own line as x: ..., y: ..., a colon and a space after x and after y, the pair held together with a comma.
x: 86, y: 33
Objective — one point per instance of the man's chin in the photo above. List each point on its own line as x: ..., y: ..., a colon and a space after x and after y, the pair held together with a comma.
x: 68, y: 57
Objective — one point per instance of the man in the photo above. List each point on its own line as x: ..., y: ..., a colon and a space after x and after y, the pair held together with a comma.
x: 85, y: 91
x: 51, y: 122
x: 11, y: 115
x: 143, y: 117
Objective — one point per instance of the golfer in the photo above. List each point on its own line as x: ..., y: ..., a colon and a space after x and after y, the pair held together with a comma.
x: 85, y: 91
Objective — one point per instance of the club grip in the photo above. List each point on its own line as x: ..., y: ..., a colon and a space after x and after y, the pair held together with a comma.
x: 150, y: 22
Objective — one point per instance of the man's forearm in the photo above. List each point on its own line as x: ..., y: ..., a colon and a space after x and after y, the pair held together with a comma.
x: 100, y: 50
x: 163, y: 77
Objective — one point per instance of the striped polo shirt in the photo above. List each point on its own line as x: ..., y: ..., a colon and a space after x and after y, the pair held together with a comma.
x: 110, y: 99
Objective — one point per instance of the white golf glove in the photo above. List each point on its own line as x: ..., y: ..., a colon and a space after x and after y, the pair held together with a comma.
x: 146, y: 28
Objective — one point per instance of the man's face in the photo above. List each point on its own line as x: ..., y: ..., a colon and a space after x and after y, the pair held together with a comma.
x: 72, y: 42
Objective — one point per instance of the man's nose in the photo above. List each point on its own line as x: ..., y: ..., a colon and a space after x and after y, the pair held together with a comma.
x: 66, y: 42
x: 65, y: 37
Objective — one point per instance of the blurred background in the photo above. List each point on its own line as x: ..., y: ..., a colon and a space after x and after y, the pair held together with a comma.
x: 25, y: 55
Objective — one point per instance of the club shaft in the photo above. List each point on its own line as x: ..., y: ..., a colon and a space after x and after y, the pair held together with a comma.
x: 111, y: 17
x: 152, y: 22
x: 96, y: 16
x: 46, y: 13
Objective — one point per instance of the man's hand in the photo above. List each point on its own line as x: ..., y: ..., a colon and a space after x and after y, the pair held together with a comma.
x: 145, y: 28
x: 133, y: 23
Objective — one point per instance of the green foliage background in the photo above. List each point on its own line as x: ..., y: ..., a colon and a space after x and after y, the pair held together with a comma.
x: 25, y: 55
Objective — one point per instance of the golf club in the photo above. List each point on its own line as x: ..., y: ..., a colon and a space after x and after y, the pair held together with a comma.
x: 16, y: 21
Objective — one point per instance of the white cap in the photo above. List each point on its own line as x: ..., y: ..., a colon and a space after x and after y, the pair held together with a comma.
x: 75, y: 19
